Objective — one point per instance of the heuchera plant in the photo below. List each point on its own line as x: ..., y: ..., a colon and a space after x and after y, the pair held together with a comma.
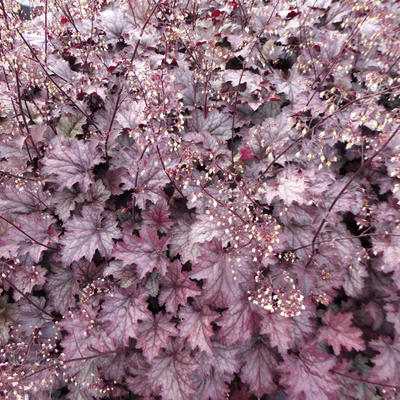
x: 200, y: 199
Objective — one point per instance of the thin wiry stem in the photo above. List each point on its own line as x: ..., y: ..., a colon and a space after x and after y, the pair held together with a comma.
x: 338, y: 239
x: 166, y: 173
x: 351, y: 180
x: 23, y: 114
x: 117, y: 104
x: 61, y: 90
x: 354, y: 378
x: 26, y: 234
x: 17, y: 176
x: 28, y: 299
x: 240, y: 81
x: 61, y: 362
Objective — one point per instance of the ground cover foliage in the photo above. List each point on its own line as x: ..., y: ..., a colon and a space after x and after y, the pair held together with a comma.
x: 199, y: 199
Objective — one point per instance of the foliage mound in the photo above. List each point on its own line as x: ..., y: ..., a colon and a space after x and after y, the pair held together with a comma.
x: 200, y: 199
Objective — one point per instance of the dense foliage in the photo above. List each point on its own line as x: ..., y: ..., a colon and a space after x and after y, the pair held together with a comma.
x: 200, y: 199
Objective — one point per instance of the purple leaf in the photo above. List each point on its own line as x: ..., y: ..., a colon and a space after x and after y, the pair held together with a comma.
x: 154, y: 334
x: 308, y: 376
x: 88, y: 233
x: 157, y: 217
x: 172, y: 370
x: 145, y: 251
x: 71, y: 162
x: 258, y: 365
x: 238, y: 322
x: 26, y: 278
x: 386, y: 363
x: 121, y: 311
x: 339, y: 331
x: 61, y: 287
x: 215, y: 267
x: 279, y: 329
x: 196, y: 326
x: 176, y: 287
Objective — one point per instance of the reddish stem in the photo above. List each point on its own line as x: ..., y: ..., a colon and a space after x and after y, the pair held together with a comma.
x: 334, y: 61
x: 166, y: 173
x: 366, y: 380
x: 26, y: 234
x: 61, y: 362
x: 117, y: 104
x: 29, y: 300
x: 357, y: 173
x: 23, y: 114
x: 61, y: 90
x: 17, y: 176
x: 143, y: 28
x: 5, y: 14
